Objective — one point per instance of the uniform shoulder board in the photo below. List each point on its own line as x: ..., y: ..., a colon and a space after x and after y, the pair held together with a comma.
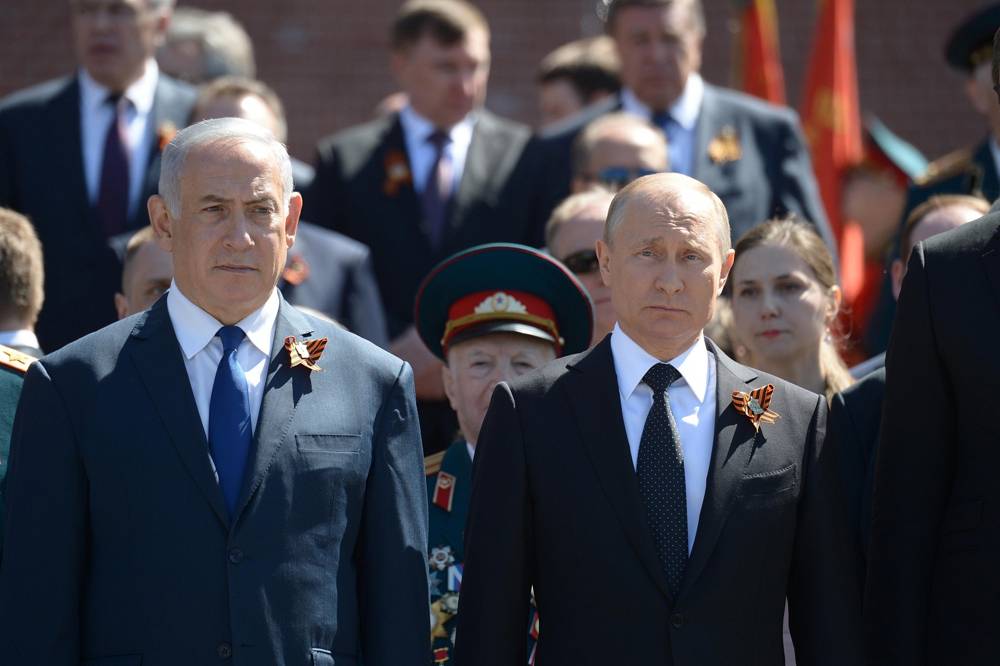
x: 432, y: 463
x: 952, y: 164
x: 15, y: 360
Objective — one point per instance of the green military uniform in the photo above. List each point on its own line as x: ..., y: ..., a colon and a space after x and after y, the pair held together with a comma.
x: 13, y: 365
x: 498, y: 288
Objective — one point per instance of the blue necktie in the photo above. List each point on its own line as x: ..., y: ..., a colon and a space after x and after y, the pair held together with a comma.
x: 672, y: 129
x: 229, y: 425
x: 437, y: 192
x: 112, y: 196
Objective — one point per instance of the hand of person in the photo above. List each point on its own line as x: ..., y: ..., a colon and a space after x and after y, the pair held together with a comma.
x: 426, y: 366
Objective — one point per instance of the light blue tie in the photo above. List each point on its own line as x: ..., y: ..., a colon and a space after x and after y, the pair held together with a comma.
x: 680, y: 158
x: 229, y: 425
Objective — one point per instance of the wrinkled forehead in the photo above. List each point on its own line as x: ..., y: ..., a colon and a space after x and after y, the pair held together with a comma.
x: 231, y: 165
x: 682, y: 209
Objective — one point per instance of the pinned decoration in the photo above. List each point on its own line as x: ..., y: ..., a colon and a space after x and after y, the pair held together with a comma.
x: 441, y: 558
x: 754, y: 405
x: 441, y: 617
x: 455, y: 578
x: 441, y: 656
x: 397, y: 173
x: 444, y: 491
x: 296, y: 270
x: 305, y: 352
x: 165, y: 133
x: 725, y: 147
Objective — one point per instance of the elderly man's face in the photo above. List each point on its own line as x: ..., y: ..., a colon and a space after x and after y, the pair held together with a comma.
x: 146, y: 278
x: 114, y: 38
x: 231, y: 238
x: 476, y: 366
x: 445, y: 83
x: 665, y: 269
x: 658, y: 48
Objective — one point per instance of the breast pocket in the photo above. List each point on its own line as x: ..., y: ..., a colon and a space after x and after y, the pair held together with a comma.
x: 770, y: 488
x: 333, y: 444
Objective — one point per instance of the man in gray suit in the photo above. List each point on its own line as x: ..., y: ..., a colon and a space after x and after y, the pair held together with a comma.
x: 80, y: 155
x: 219, y: 477
x: 751, y: 153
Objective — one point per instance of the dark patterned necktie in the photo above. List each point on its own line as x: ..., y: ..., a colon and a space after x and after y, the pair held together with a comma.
x: 112, y: 197
x: 437, y: 191
x: 660, y: 468
x: 229, y: 427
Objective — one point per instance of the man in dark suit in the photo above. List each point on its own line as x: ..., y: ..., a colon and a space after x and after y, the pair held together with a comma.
x: 220, y: 477
x: 930, y: 593
x: 661, y: 499
x: 751, y: 153
x: 442, y: 175
x: 79, y: 156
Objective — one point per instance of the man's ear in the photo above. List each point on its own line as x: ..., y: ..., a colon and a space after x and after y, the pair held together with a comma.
x: 449, y: 386
x: 292, y: 219
x: 728, y: 260
x: 604, y: 261
x: 159, y: 218
x: 121, y: 305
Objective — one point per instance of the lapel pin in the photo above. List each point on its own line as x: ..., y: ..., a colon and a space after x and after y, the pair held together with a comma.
x: 305, y: 352
x: 754, y: 405
x: 725, y: 147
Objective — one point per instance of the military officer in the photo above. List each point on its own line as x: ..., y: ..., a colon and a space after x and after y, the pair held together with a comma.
x: 13, y: 365
x: 491, y: 313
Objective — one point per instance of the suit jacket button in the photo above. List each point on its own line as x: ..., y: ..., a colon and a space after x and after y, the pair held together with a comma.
x: 225, y: 650
x: 235, y: 555
x: 677, y: 620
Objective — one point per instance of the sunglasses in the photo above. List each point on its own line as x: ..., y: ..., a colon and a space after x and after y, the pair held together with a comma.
x: 618, y: 177
x: 582, y: 262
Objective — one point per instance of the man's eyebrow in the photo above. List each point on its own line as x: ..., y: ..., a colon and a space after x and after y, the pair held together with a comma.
x: 213, y: 198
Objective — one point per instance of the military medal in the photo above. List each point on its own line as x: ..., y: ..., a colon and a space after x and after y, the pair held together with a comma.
x: 441, y: 655
x: 444, y: 491
x: 441, y: 558
x: 725, y: 147
x: 754, y: 405
x: 305, y: 352
x: 296, y: 271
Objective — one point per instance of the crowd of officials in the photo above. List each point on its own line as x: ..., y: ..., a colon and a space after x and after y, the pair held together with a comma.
x: 461, y: 391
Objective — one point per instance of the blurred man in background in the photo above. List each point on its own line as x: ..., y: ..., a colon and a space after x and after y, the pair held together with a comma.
x: 575, y: 76
x: 615, y: 149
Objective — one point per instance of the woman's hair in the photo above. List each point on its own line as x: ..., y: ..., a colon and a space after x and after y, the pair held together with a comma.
x: 802, y: 238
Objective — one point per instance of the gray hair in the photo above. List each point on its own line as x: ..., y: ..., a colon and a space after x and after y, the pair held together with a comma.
x: 668, y: 192
x: 595, y: 200
x: 226, y: 131
x: 598, y: 130
x: 226, y: 48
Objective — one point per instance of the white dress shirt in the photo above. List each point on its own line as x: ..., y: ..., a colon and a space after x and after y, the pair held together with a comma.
x: 692, y: 403
x: 685, y: 111
x: 417, y: 129
x: 22, y: 337
x: 96, y: 116
x: 202, y: 350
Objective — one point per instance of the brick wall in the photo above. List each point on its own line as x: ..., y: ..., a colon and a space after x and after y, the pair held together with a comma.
x: 327, y: 59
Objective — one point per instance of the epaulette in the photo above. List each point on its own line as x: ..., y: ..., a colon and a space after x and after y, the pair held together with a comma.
x: 947, y: 166
x: 15, y: 360
x: 432, y: 463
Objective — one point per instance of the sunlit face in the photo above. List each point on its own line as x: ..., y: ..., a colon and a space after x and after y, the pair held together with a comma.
x: 934, y: 223
x: 665, y: 269
x: 445, y: 83
x: 231, y: 238
x: 581, y: 234
x: 248, y: 107
x: 557, y: 100
x: 114, y: 38
x: 659, y: 48
x: 147, y: 278
x: 779, y: 306
x: 476, y: 366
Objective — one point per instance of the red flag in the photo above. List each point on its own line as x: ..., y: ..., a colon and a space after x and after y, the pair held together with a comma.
x: 829, y: 112
x: 757, y: 66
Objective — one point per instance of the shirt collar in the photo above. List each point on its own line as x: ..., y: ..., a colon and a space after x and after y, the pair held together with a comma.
x: 195, y: 328
x: 23, y: 337
x: 418, y: 128
x: 684, y: 111
x: 140, y: 94
x: 632, y: 362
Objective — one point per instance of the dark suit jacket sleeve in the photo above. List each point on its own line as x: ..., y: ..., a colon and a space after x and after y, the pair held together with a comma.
x: 797, y: 190
x: 365, y: 315
x: 45, y: 539
x: 393, y: 551
x: 913, y: 471
x: 496, y: 581
x: 824, y: 601
x: 853, y: 467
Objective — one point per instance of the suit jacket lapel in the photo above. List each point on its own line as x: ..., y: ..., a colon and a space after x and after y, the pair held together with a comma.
x: 282, y: 390
x: 401, y: 204
x: 730, y: 457
x: 597, y: 407
x: 67, y: 158
x: 703, y: 129
x: 481, y: 169
x: 160, y: 363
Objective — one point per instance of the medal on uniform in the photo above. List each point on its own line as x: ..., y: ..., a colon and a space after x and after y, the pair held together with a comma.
x: 305, y: 352
x: 444, y: 491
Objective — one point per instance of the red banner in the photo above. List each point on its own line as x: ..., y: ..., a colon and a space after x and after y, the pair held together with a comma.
x: 757, y: 66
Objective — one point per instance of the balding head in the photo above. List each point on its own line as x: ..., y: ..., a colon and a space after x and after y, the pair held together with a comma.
x: 671, y: 195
